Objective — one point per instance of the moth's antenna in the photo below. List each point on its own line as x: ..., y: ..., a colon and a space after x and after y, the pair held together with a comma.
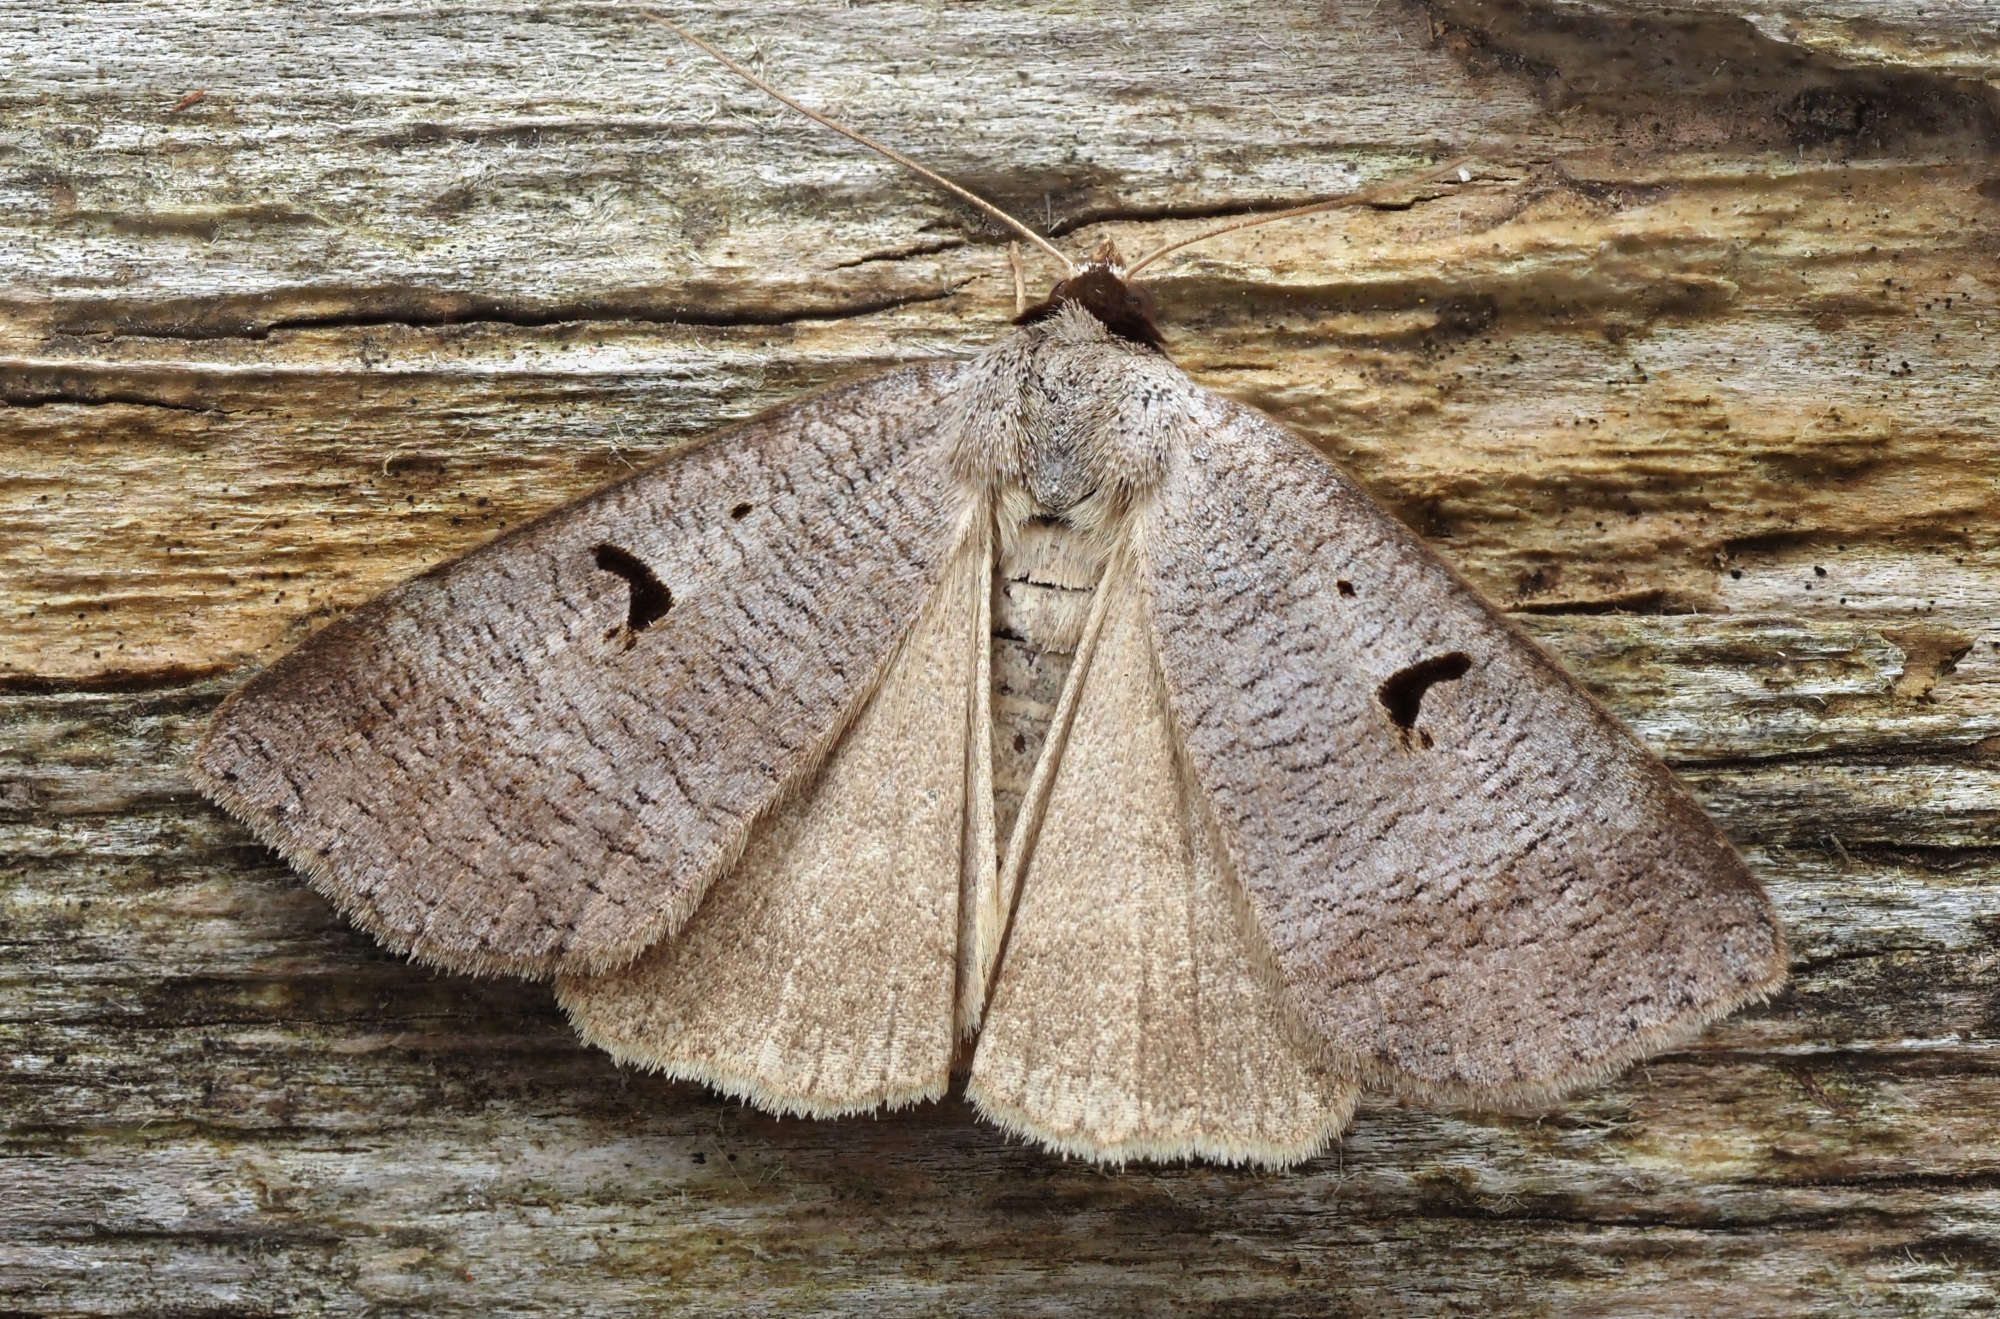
x: 1364, y: 197
x: 869, y: 142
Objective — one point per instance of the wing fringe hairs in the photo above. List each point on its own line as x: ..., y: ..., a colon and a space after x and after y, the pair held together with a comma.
x: 714, y: 748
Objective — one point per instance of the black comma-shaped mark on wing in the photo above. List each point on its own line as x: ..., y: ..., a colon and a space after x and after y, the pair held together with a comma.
x: 648, y: 598
x: 1402, y: 694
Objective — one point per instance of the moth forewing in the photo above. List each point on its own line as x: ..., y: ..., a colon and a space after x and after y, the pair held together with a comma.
x: 1479, y: 886
x: 536, y: 758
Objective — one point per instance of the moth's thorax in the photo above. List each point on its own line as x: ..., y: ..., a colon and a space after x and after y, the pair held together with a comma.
x: 1066, y: 428
x: 1066, y: 420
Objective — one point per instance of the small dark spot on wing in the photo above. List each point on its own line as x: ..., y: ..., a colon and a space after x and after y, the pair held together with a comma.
x: 1403, y: 693
x: 740, y: 512
x: 649, y: 600
x: 1345, y: 587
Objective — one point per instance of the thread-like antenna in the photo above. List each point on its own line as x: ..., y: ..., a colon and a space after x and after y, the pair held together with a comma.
x: 1364, y: 197
x: 869, y: 142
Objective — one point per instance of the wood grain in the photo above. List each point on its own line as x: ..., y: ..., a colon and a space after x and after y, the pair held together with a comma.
x: 1698, y: 375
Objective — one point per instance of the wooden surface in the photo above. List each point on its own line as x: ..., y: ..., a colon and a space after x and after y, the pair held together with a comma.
x: 1699, y: 374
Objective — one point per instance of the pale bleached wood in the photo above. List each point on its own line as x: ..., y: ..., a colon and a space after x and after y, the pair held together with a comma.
x: 1715, y: 318
x: 1954, y: 39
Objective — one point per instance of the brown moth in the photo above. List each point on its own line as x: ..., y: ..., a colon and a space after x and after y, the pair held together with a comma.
x: 713, y: 749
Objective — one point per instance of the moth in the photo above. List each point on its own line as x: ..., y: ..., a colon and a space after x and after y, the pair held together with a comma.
x: 712, y: 749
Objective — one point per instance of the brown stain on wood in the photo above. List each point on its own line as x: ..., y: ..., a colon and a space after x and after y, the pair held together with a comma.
x: 1701, y: 371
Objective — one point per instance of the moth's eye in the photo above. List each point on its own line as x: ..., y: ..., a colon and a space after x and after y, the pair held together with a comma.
x: 649, y: 600
x: 740, y: 512
x: 1403, y: 693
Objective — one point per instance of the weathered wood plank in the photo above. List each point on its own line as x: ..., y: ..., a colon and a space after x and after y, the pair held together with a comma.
x: 1944, y: 41
x: 1699, y: 374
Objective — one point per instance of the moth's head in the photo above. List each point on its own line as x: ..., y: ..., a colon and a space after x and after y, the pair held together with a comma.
x: 1100, y: 288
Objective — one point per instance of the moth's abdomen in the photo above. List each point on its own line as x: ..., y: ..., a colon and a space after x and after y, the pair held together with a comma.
x: 1043, y: 587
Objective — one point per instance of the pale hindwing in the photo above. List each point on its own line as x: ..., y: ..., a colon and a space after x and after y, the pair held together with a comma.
x: 1129, y: 1018
x: 818, y: 975
x: 978, y: 907
x: 1477, y: 883
x: 536, y: 758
